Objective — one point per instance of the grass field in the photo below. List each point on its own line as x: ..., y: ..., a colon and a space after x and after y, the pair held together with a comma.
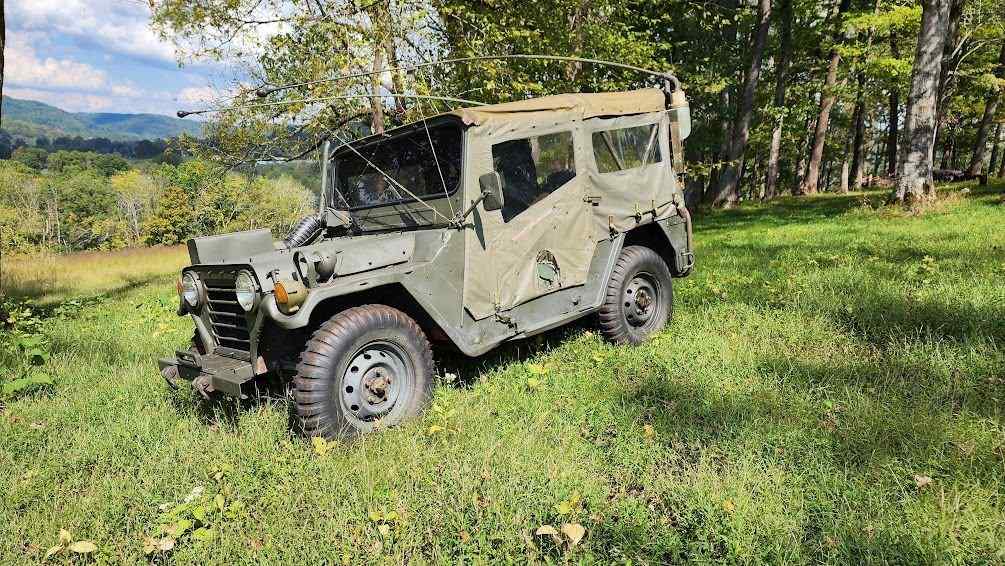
x: 830, y: 391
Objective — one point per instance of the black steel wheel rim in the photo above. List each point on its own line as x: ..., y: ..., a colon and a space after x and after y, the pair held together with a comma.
x: 641, y: 300
x: 377, y: 380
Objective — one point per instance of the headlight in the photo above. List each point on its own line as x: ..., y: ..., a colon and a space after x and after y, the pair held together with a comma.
x: 190, y: 291
x: 246, y: 291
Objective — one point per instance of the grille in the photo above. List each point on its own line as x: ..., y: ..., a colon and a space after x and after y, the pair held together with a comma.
x: 230, y: 325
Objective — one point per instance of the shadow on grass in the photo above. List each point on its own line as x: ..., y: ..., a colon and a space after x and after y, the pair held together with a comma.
x: 467, y: 370
x: 34, y: 291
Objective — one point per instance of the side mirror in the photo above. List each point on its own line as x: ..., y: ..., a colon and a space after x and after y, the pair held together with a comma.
x: 491, y: 186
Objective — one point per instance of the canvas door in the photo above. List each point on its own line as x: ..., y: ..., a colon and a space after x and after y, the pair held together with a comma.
x: 540, y: 242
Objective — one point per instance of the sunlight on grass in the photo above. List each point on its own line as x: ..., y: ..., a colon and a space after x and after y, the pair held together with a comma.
x: 50, y: 278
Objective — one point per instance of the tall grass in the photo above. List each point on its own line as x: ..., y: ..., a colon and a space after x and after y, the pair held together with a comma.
x: 830, y: 391
x: 50, y: 278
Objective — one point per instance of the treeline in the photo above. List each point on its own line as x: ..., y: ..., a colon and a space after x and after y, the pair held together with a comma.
x: 788, y: 96
x: 86, y: 201
x: 135, y: 149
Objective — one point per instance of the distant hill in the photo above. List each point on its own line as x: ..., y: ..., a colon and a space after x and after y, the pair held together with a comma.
x: 30, y: 119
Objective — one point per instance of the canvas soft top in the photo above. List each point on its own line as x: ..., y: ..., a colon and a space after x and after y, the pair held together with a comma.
x: 582, y: 105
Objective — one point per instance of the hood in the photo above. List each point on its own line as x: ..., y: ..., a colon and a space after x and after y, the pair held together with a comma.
x: 314, y: 263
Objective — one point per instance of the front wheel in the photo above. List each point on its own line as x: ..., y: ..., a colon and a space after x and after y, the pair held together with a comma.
x: 364, y: 368
x: 639, y: 299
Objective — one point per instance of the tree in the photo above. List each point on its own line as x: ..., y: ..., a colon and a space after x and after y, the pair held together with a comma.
x: 893, y: 117
x: 33, y: 157
x: 727, y: 194
x: 784, y: 54
x: 990, y: 111
x: 916, y: 150
x: 305, y: 43
x: 827, y: 98
x: 136, y: 194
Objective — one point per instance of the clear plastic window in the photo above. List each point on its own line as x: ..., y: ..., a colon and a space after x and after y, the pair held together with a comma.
x: 427, y: 163
x: 627, y: 148
x: 532, y: 168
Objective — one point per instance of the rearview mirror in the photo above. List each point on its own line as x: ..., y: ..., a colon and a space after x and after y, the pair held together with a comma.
x: 491, y: 186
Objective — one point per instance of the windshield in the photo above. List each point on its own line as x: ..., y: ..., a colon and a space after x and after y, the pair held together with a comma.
x: 425, y: 169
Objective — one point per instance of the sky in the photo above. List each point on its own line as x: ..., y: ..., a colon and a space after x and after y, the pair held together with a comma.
x: 99, y: 56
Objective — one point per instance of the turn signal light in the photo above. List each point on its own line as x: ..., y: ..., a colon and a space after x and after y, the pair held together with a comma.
x: 282, y: 297
x: 290, y: 294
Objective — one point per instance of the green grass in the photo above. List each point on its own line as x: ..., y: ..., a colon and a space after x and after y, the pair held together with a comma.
x: 823, y: 355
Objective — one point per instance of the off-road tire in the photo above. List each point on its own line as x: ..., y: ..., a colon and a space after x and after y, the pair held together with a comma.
x: 622, y: 321
x: 324, y: 367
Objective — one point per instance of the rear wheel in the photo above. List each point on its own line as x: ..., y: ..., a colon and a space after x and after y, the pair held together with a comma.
x: 639, y: 300
x: 366, y: 367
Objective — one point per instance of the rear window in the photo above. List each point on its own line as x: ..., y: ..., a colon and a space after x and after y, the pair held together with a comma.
x: 426, y: 163
x: 532, y: 168
x: 626, y: 148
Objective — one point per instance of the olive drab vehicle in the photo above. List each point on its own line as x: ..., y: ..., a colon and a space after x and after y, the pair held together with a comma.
x: 465, y: 230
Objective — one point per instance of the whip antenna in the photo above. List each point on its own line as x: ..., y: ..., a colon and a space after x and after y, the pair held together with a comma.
x: 674, y: 83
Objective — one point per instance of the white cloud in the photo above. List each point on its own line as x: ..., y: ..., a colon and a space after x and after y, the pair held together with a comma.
x: 198, y: 95
x: 80, y: 55
x: 26, y: 68
x: 119, y: 26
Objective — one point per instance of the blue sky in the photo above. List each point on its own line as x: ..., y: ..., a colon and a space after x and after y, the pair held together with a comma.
x: 99, y: 56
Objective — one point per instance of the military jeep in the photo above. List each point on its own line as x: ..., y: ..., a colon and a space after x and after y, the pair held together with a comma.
x: 466, y: 230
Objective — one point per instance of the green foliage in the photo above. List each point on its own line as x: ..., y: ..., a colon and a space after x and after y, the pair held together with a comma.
x: 32, y: 157
x: 88, y: 201
x: 197, y: 518
x: 202, y: 199
x: 24, y: 350
x: 22, y: 221
x: 77, y: 161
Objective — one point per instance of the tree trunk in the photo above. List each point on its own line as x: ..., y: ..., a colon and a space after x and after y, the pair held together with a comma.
x: 726, y: 124
x: 949, y: 54
x: 990, y: 109
x: 1001, y: 166
x: 857, y: 171
x: 397, y: 80
x: 893, y: 130
x: 995, y: 149
x: 727, y: 193
x: 774, y: 154
x: 376, y: 104
x: 803, y: 146
x: 827, y: 98
x: 916, y: 150
x: 845, y: 172
x: 878, y: 150
x: 858, y: 146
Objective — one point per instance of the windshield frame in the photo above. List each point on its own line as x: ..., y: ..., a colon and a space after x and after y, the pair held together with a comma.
x: 337, y: 201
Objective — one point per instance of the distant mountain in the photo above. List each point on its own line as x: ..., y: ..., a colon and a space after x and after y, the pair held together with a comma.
x: 30, y: 119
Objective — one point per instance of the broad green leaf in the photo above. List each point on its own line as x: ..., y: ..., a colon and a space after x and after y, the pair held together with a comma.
x: 203, y: 534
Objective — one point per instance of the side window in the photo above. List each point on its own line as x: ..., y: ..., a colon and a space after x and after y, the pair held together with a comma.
x: 532, y: 168
x: 627, y: 148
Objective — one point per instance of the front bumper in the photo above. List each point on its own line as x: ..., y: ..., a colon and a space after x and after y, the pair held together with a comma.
x: 210, y: 373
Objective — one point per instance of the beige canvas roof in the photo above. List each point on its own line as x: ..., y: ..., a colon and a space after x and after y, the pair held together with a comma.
x: 583, y: 105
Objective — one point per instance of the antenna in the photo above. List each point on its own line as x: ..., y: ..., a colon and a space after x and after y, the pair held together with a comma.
x: 184, y: 113
x: 674, y: 83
